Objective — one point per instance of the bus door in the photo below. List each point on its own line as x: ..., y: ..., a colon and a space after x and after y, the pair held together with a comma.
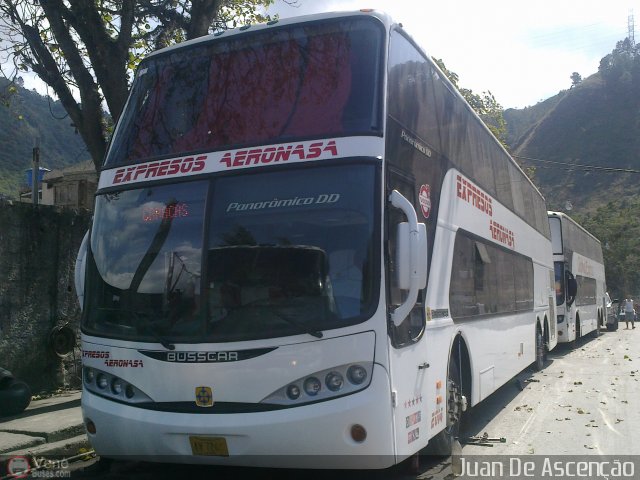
x: 407, y: 340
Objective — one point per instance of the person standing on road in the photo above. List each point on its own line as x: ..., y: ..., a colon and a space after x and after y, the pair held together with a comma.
x: 629, y: 313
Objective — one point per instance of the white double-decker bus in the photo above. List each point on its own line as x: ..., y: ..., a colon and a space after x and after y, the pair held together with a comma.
x: 307, y: 251
x: 581, y: 291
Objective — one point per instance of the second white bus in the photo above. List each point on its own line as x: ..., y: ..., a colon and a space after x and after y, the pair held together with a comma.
x: 581, y: 300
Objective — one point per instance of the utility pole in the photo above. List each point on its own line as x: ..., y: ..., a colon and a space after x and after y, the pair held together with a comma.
x: 35, y: 176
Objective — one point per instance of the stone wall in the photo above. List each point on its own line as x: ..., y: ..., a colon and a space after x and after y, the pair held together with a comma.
x: 38, y: 248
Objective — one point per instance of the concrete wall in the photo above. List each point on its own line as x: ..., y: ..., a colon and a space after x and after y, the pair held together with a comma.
x: 38, y: 248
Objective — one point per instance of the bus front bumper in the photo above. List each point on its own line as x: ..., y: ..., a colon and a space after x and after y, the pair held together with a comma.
x: 311, y: 436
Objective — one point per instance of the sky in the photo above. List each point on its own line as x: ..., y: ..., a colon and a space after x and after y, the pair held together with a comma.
x: 521, y: 51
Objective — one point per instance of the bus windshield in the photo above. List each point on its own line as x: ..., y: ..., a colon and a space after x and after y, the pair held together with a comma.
x: 271, y: 254
x: 308, y: 80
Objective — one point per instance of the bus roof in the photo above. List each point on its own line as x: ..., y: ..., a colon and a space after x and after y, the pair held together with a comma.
x: 383, y: 17
x: 564, y: 216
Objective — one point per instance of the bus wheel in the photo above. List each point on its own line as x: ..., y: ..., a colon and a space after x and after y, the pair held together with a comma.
x: 596, y: 332
x: 541, y: 351
x: 446, y: 442
x: 574, y: 342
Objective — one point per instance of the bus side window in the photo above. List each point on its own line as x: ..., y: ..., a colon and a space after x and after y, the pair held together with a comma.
x: 411, y: 330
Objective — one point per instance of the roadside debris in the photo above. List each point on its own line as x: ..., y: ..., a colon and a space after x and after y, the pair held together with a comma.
x: 485, y: 440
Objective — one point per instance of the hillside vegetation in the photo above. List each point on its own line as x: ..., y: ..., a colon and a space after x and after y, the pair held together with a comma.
x: 595, y: 123
x: 25, y: 116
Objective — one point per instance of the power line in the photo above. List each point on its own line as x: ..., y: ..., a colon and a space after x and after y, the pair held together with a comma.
x: 580, y: 166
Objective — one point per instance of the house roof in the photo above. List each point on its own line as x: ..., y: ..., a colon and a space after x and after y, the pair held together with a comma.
x: 81, y: 170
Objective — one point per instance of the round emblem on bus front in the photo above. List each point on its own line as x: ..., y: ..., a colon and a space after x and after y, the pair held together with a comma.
x: 425, y: 200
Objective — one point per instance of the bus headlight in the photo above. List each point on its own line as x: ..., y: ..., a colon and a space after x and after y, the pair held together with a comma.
x: 293, y: 392
x: 116, y: 386
x: 356, y: 374
x: 102, y: 381
x: 89, y: 374
x: 312, y: 386
x: 111, y: 386
x: 334, y: 381
x: 338, y: 381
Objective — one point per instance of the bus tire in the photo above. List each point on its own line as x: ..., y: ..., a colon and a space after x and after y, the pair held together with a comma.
x: 596, y: 332
x: 443, y: 444
x: 574, y: 343
x: 541, y: 352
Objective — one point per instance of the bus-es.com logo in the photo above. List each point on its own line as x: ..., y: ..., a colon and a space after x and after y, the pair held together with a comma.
x: 22, y: 467
x: 18, y: 467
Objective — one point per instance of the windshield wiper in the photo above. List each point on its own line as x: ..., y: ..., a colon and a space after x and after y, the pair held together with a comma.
x: 295, y: 323
x: 303, y: 328
x: 164, y: 342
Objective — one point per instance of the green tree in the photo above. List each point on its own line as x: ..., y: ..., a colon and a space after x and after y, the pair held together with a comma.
x: 576, y: 79
x: 621, y: 67
x: 617, y: 225
x: 89, y: 48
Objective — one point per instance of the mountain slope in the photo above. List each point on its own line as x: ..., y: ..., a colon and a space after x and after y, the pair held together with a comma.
x: 25, y: 117
x: 591, y: 124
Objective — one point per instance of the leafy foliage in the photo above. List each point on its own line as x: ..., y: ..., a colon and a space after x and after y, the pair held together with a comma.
x: 86, y: 50
x: 576, y: 79
x: 621, y: 68
x: 617, y: 225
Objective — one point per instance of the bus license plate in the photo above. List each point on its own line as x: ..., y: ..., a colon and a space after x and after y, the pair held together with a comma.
x: 211, y: 446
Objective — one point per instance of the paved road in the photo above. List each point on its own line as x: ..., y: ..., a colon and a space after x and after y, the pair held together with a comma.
x: 583, y: 403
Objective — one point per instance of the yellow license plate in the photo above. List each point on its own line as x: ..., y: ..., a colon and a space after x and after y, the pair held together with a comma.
x: 211, y: 446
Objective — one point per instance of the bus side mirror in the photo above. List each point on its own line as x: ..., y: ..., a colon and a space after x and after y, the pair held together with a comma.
x: 572, y: 290
x: 411, y: 257
x: 80, y: 268
x: 406, y: 267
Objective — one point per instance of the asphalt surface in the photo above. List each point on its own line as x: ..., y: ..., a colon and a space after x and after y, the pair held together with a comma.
x: 583, y: 403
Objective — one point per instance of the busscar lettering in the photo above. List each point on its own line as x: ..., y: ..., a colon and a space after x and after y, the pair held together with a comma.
x: 160, y: 169
x: 202, y: 357
x: 281, y: 153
